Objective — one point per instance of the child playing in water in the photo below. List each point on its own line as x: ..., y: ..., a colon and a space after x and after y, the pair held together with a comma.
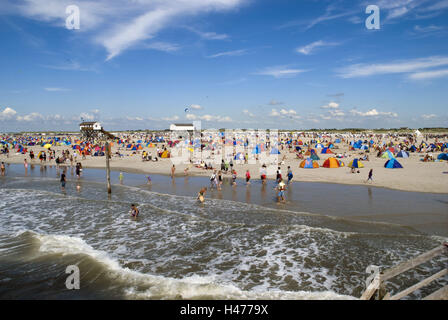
x: 201, y: 195
x: 134, y: 211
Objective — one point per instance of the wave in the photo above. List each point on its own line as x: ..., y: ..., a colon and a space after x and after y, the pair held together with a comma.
x: 138, y: 285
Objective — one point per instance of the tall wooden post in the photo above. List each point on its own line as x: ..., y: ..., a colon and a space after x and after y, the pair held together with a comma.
x: 109, y: 189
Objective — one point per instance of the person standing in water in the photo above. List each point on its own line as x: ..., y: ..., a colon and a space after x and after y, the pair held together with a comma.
x: 247, y: 177
x: 134, y: 211
x: 281, y: 190
x: 63, y: 181
x: 2, y: 169
x: 121, y: 177
x: 173, y: 169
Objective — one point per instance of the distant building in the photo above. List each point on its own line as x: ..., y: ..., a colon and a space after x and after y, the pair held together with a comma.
x: 182, y: 127
x: 90, y: 125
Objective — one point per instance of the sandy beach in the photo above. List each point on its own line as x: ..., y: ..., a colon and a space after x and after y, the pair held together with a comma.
x: 416, y: 175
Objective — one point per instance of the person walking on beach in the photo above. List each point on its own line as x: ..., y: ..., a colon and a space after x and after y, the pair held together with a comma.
x: 63, y: 181
x: 2, y: 169
x: 134, y: 211
x: 370, y: 176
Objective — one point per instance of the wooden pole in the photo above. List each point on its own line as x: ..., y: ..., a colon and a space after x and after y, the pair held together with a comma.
x: 109, y: 189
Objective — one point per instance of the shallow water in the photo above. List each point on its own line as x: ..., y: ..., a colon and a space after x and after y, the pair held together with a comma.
x: 223, y: 249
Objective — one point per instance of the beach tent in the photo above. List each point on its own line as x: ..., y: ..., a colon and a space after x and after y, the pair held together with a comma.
x: 298, y: 148
x: 443, y: 156
x: 364, y: 147
x: 47, y: 146
x: 332, y: 163
x: 387, y: 155
x: 314, y: 156
x: 319, y: 145
x: 355, y: 163
x: 392, y: 164
x: 402, y: 154
x: 326, y: 150
x: 337, y: 141
x: 310, y: 151
x: 413, y: 148
x: 275, y: 151
x: 309, y: 164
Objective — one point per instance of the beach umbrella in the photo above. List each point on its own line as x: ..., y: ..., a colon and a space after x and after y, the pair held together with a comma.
x: 47, y: 146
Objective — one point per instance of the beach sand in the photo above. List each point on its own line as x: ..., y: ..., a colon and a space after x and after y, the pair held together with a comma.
x: 415, y: 176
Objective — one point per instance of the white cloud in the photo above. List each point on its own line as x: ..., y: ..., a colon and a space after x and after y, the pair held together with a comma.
x: 331, y: 105
x: 174, y: 118
x: 118, y: 25
x: 196, y: 107
x: 280, y: 72
x: 429, y: 116
x: 56, y: 89
x: 229, y: 53
x: 248, y: 113
x: 274, y: 113
x: 429, y: 74
x: 158, y: 15
x: 430, y: 28
x: 373, y: 113
x: 208, y: 117
x: 288, y: 112
x: 7, y: 113
x: 310, y: 47
x: 31, y: 117
x: 162, y: 46
x: 406, y: 66
x: 209, y: 35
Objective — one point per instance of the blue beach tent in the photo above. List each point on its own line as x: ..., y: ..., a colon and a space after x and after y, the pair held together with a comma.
x: 392, y: 164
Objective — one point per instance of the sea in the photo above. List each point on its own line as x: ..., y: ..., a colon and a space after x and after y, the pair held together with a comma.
x: 240, y: 244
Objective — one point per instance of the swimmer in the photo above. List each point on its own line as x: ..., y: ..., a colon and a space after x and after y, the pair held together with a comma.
x: 149, y: 179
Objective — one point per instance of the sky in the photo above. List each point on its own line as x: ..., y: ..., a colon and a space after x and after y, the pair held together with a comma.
x: 254, y: 64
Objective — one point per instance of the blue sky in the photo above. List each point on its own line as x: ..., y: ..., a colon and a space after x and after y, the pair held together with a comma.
x: 137, y: 64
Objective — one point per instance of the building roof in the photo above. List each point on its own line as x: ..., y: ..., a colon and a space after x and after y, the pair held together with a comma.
x: 183, y: 124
